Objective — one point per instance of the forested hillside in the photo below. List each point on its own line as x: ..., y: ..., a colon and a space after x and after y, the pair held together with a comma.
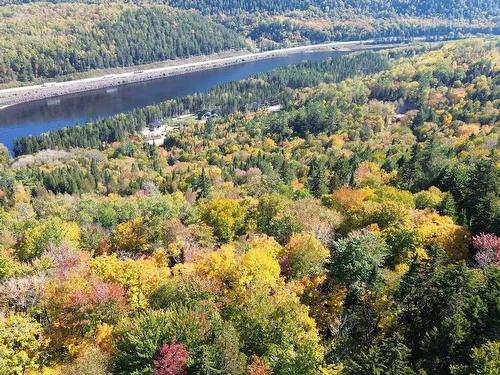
x: 50, y: 39
x: 423, y: 8
x: 45, y: 40
x: 274, y: 23
x: 289, y: 21
x: 355, y: 231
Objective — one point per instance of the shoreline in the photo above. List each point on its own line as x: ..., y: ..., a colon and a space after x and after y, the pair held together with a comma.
x: 24, y: 94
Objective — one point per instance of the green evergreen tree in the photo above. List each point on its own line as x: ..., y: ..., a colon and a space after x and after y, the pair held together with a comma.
x: 318, y: 180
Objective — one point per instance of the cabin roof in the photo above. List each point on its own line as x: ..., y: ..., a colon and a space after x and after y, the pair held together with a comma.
x: 155, y: 123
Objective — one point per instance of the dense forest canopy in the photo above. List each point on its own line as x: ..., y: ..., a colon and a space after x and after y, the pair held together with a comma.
x: 274, y: 23
x: 43, y: 40
x: 421, y: 8
x: 81, y: 37
x: 354, y: 231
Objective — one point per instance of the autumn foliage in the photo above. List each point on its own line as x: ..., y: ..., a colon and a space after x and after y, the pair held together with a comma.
x: 355, y: 231
x: 172, y: 360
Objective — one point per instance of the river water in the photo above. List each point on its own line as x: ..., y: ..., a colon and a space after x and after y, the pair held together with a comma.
x: 69, y: 110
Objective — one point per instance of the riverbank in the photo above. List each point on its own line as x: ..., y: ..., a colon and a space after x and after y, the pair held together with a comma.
x: 18, y: 95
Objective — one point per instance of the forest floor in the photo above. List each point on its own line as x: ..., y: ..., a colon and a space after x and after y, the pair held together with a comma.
x: 121, y: 76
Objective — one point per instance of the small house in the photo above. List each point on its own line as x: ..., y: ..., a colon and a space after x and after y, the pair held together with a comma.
x: 154, y: 125
x: 207, y: 114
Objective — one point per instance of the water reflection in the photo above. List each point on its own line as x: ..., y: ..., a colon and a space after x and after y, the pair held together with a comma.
x: 69, y: 110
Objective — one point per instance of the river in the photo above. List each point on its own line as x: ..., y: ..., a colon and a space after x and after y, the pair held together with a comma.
x: 40, y: 116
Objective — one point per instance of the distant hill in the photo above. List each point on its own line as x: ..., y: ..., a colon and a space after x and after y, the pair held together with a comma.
x: 459, y: 9
x: 422, y: 8
x: 48, y: 40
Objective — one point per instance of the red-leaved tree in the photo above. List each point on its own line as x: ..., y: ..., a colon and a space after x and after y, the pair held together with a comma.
x: 487, y: 248
x: 172, y: 360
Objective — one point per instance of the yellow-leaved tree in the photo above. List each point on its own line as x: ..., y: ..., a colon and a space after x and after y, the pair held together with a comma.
x: 238, y: 270
x: 305, y: 255
x: 130, y: 237
x: 21, y: 343
x: 52, y: 231
x: 227, y: 217
x: 138, y: 277
x: 441, y: 231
